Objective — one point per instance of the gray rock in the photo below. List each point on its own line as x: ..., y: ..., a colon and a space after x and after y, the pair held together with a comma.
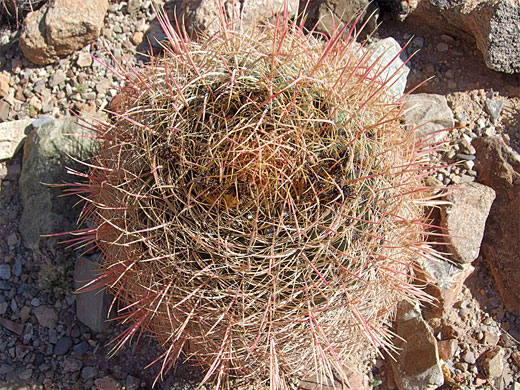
x: 42, y: 120
x: 57, y: 78
x: 469, y: 357
x: 81, y: 348
x: 91, y: 306
x: 18, y: 268
x: 12, y: 134
x: 46, y: 316
x: 389, y: 48
x: 61, y: 28
x: 417, y: 366
x: 5, y: 271
x: 429, y: 116
x: 62, y: 346
x: 493, y: 24
x: 465, y: 218
x: 45, y: 161
x: 25, y: 374
x: 492, y: 362
x: 444, y: 283
x: 88, y: 372
x: 5, y: 369
x: 494, y: 108
x: 71, y: 365
x: 132, y: 383
x: 502, y: 48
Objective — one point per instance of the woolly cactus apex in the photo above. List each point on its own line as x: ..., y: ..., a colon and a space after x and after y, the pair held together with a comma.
x: 258, y: 204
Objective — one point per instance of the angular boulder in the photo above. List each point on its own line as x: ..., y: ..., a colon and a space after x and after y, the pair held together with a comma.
x: 465, y: 218
x: 389, y: 71
x: 61, y: 28
x: 493, y: 24
x: 92, y: 306
x: 417, y: 365
x: 12, y: 135
x: 47, y: 155
x: 429, y: 116
x: 443, y: 282
x: 498, y: 167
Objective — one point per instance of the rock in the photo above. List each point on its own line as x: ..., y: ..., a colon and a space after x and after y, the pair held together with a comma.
x: 25, y: 313
x: 12, y: 240
x: 469, y: 357
x: 4, y: 84
x: 498, y: 167
x: 516, y: 358
x: 332, y: 15
x: 12, y: 134
x: 107, y: 383
x: 46, y: 316
x: 88, y: 372
x: 493, y: 24
x: 492, y: 362
x: 5, y: 369
x: 91, y: 306
x: 5, y: 271
x: 84, y: 60
x: 132, y: 383
x: 71, y: 365
x: 137, y: 37
x: 46, y: 159
x: 5, y: 109
x: 14, y: 327
x: 61, y: 28
x: 494, y: 108
x: 57, y: 78
x: 62, y: 346
x: 429, y: 116
x: 202, y: 16
x: 444, y: 282
x: 81, y: 348
x: 447, y: 349
x: 42, y: 120
x: 465, y: 218
x: 25, y: 374
x: 396, y: 74
x: 417, y: 366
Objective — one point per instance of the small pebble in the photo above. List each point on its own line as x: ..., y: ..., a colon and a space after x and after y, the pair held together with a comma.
x: 469, y: 357
x: 5, y: 271
x: 494, y: 108
x: 442, y: 46
x: 463, y: 156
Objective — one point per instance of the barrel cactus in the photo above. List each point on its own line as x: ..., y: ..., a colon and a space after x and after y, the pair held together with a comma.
x: 257, y: 203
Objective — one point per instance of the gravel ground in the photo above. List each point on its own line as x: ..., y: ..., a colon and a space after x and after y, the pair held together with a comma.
x: 44, y: 346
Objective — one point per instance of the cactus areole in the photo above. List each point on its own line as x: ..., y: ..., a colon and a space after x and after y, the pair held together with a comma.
x: 257, y: 203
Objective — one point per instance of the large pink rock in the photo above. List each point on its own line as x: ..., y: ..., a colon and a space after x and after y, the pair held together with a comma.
x: 465, y: 218
x: 61, y: 28
x: 498, y: 167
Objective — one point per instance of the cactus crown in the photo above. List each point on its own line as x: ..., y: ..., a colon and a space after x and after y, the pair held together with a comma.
x: 257, y: 202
